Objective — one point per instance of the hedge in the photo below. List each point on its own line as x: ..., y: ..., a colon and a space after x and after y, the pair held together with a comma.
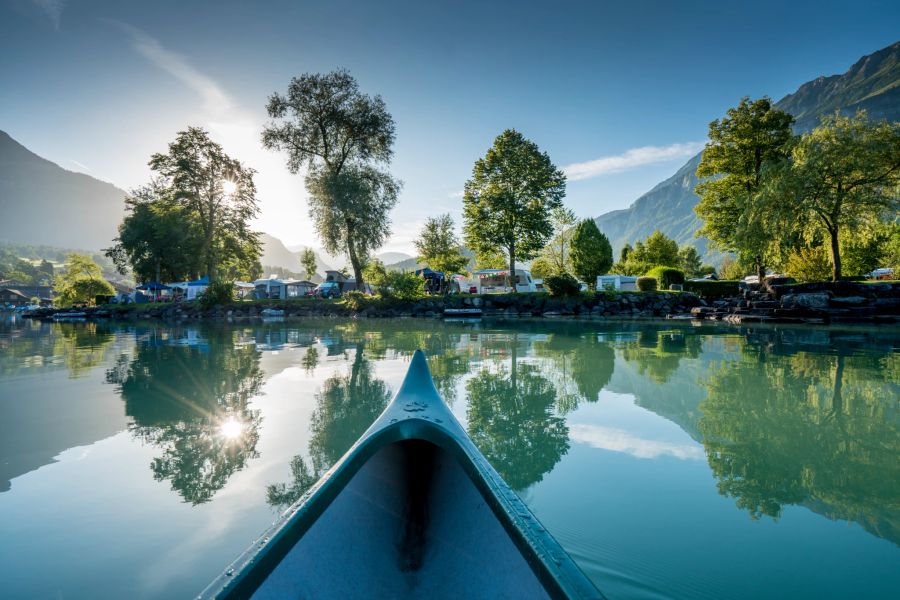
x: 562, y: 285
x: 709, y: 288
x: 646, y: 284
x: 666, y: 276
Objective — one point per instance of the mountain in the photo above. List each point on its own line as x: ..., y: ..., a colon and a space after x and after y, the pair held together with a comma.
x: 873, y: 84
x: 44, y: 204
x: 276, y: 254
x: 390, y: 258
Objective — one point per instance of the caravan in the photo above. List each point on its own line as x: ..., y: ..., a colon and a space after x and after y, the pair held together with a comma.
x: 496, y: 281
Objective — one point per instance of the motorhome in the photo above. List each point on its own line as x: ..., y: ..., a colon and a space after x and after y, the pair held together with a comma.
x: 497, y: 281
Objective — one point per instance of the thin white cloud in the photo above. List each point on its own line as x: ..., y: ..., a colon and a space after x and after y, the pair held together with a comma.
x: 631, y: 159
x: 53, y: 9
x: 216, y: 101
x: 457, y: 194
x: 81, y: 166
x: 619, y: 440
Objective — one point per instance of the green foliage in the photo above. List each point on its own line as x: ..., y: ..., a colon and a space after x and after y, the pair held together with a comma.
x: 308, y: 262
x: 646, y: 284
x: 689, y: 261
x: 666, y: 276
x: 217, y: 198
x: 81, y: 282
x: 508, y: 202
x: 562, y: 285
x: 490, y: 259
x: 218, y: 293
x: 844, y: 176
x: 808, y: 264
x: 731, y: 269
x: 351, y: 208
x: 556, y: 256
x: 326, y: 124
x: 751, y: 140
x: 711, y: 289
x: 438, y: 247
x: 159, y: 238
x: 403, y: 286
x: 376, y: 273
x: 657, y: 249
x: 354, y: 299
x: 705, y: 270
x: 591, y: 252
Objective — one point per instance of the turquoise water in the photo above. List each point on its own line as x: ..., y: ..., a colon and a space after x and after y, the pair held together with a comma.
x: 670, y: 460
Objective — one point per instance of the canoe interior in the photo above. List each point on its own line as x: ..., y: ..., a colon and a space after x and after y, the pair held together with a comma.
x: 409, y: 524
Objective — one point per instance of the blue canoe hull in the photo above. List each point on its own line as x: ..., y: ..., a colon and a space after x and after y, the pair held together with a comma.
x: 412, y: 510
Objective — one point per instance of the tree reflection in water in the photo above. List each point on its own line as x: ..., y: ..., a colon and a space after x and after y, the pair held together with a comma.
x: 581, y: 365
x: 511, y: 420
x: 346, y: 405
x: 189, y: 392
x: 657, y: 354
x: 819, y: 429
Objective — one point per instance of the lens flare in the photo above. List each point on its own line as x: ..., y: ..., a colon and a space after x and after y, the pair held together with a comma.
x: 231, y: 428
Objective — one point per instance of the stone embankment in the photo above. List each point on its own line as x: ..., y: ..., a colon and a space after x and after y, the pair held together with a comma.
x: 840, y: 302
x: 651, y: 304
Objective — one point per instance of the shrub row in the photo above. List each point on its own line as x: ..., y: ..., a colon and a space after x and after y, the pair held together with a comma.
x: 666, y: 276
x: 712, y: 289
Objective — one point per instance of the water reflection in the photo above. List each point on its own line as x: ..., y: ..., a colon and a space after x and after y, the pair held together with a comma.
x: 816, y: 425
x: 512, y: 421
x: 188, y: 391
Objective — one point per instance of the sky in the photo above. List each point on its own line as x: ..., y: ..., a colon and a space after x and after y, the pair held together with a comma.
x: 619, y: 94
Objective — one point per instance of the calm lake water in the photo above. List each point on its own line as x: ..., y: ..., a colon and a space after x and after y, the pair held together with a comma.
x: 670, y: 460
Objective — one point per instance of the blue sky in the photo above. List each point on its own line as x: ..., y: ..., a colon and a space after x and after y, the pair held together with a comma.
x: 619, y: 93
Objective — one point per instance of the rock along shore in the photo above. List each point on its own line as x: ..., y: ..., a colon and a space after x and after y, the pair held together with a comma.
x: 602, y: 304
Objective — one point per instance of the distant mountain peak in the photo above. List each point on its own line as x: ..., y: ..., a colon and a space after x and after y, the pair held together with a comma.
x: 872, y: 83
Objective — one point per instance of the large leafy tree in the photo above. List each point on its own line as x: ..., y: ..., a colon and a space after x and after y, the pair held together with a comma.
x: 844, y: 177
x: 508, y: 203
x: 81, y: 281
x: 157, y: 239
x: 325, y: 124
x: 737, y: 217
x: 592, y: 253
x: 689, y: 261
x: 219, y: 197
x: 438, y: 246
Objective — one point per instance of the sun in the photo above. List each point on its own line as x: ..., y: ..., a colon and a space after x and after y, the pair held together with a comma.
x: 229, y: 187
x: 231, y: 428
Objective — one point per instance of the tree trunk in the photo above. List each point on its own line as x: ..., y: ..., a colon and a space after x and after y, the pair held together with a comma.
x: 512, y: 267
x: 354, y: 258
x: 760, y: 271
x: 835, y: 255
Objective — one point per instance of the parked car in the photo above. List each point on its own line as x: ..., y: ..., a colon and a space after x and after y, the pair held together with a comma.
x: 328, y: 289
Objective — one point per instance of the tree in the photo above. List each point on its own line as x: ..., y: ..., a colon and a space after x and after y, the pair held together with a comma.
x: 308, y: 262
x: 689, y: 261
x: 752, y: 138
x: 563, y: 221
x: 158, y: 238
x: 326, y: 124
x: 438, y: 246
x: 657, y: 250
x: 844, y: 176
x: 591, y: 252
x: 508, y: 202
x: 808, y: 264
x: 219, y: 196
x: 351, y: 211
x: 731, y: 269
x: 625, y: 253
x: 82, y: 281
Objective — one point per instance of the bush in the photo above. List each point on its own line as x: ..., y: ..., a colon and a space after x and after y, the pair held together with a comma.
x: 562, y: 285
x: 646, y: 284
x: 217, y: 293
x: 403, y: 286
x: 354, y: 300
x: 809, y: 264
x: 666, y: 276
x: 712, y: 289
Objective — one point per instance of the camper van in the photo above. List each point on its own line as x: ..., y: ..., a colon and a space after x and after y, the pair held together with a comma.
x: 496, y: 281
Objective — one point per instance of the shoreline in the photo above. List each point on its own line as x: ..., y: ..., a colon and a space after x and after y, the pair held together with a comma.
x: 809, y: 304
